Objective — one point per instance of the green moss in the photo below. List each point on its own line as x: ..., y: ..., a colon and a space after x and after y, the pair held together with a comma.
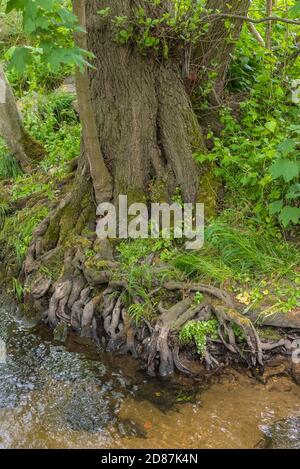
x: 193, y: 130
x: 268, y: 333
x: 54, y: 266
x: 134, y: 195
x: 60, y: 333
x: 32, y: 148
x: 208, y: 193
x: 159, y: 191
x: 87, y: 215
x: 50, y: 239
x: 96, y: 264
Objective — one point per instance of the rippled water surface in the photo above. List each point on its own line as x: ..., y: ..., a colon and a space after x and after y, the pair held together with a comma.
x: 73, y: 396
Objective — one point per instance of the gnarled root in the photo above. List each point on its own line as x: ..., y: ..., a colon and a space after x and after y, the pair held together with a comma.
x: 77, y: 308
x: 227, y: 317
x: 87, y: 326
x: 58, y: 302
x: 78, y: 299
x: 158, y: 346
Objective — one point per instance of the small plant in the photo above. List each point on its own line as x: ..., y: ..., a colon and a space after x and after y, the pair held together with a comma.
x: 286, y: 170
x: 198, y: 333
x: 155, y: 30
x: 9, y: 168
x: 17, y: 289
x: 198, y: 298
x: 17, y: 231
x: 238, y: 333
x: 133, y: 251
x: 136, y: 312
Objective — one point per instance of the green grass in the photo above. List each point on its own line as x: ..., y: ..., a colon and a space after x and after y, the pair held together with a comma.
x: 16, y: 234
x: 231, y: 253
x: 205, y: 264
x: 9, y: 168
x: 249, y: 250
x: 4, y: 208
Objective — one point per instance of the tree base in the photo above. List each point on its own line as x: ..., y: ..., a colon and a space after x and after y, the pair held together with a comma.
x: 95, y: 298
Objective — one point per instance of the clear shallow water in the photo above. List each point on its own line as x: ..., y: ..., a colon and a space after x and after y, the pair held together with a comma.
x: 73, y: 396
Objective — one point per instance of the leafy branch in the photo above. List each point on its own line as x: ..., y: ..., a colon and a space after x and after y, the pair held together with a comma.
x: 48, y: 24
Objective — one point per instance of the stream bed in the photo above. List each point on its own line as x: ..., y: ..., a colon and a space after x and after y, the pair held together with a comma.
x: 71, y: 395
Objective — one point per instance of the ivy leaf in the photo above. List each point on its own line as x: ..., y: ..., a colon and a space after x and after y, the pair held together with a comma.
x: 275, y: 207
x: 289, y: 214
x: 294, y: 12
x: 288, y: 169
x: 287, y: 147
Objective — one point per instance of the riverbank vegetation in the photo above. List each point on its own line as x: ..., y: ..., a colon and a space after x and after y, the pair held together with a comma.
x: 235, y: 129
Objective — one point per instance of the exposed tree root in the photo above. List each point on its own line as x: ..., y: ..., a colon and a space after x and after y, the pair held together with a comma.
x: 94, y: 301
x: 104, y: 315
x: 226, y: 318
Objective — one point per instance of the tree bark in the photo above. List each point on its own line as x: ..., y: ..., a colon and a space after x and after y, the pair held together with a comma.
x: 91, y: 145
x: 19, y: 142
x: 269, y: 11
x: 139, y: 128
x: 146, y: 125
x: 213, y: 55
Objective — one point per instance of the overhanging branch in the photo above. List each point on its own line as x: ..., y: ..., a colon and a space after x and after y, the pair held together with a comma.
x: 251, y: 20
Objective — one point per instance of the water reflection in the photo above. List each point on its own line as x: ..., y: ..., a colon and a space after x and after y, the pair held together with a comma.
x: 72, y: 396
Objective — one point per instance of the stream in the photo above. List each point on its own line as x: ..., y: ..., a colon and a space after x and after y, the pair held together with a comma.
x: 72, y: 395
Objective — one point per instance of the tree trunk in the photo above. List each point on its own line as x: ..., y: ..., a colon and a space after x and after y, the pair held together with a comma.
x: 269, y: 11
x: 19, y: 142
x: 146, y: 126
x: 91, y: 145
x: 140, y: 129
x: 213, y: 55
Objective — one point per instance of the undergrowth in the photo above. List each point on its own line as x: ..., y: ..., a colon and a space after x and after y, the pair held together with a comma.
x: 17, y: 230
x: 256, y: 157
x: 197, y: 333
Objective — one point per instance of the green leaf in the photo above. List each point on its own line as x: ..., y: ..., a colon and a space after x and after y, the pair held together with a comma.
x: 289, y: 215
x: 271, y: 126
x: 293, y: 192
x: 15, y: 5
x: 20, y: 57
x: 47, y: 5
x: 105, y: 12
x: 30, y: 17
x: 288, y: 169
x: 67, y: 17
x: 294, y: 12
x: 287, y: 147
x: 275, y: 207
